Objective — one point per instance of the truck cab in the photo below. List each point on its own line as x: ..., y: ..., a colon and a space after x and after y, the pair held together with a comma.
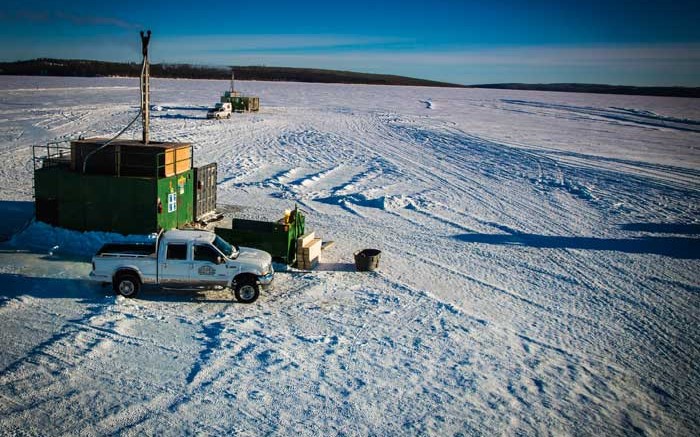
x: 221, y: 110
x: 203, y: 257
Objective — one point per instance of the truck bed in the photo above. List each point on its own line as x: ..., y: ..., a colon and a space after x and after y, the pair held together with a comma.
x: 127, y: 249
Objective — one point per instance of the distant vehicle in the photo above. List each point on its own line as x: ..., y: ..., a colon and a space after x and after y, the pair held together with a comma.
x: 184, y: 258
x: 221, y: 110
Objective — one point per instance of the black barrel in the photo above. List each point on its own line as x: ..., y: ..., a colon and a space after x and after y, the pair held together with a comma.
x: 367, y: 260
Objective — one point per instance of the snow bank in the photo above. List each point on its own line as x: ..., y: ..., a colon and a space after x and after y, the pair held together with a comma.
x: 41, y: 237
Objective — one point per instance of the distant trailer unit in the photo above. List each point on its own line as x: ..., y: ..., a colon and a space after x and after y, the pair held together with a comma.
x: 241, y: 103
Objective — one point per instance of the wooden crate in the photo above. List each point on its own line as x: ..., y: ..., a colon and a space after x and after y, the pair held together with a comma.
x: 308, y: 251
x: 305, y: 239
x: 307, y: 264
x: 177, y: 160
x: 311, y: 250
x: 130, y: 157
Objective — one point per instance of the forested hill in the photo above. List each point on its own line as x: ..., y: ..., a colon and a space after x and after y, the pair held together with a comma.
x: 63, y: 67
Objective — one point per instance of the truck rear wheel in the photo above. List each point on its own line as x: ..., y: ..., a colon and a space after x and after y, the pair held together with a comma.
x: 127, y: 284
x: 246, y: 290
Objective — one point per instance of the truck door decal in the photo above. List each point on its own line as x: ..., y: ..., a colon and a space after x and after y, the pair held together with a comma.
x: 206, y: 271
x: 208, y: 266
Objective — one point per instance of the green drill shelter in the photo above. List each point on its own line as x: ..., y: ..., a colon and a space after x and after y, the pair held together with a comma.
x: 123, y: 186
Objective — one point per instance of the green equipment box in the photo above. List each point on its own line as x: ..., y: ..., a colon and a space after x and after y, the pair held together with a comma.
x: 278, y: 238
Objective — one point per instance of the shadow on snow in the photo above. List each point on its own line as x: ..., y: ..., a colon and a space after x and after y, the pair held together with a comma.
x: 178, y: 117
x: 183, y: 108
x: 675, y: 247
x: 15, y: 285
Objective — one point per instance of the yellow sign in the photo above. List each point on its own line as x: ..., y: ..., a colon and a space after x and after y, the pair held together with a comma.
x: 181, y: 184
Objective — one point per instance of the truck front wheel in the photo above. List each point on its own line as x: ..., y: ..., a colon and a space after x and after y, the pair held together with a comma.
x: 127, y: 284
x: 246, y: 290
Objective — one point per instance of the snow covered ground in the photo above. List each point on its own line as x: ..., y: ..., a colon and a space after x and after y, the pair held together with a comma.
x: 539, y: 271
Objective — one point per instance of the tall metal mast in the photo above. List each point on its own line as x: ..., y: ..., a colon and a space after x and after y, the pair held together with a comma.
x: 232, y: 81
x: 145, y: 86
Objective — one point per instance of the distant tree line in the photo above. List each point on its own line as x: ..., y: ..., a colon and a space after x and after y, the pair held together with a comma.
x: 83, y: 68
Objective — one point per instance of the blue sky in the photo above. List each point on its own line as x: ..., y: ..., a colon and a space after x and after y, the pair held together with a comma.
x: 617, y: 42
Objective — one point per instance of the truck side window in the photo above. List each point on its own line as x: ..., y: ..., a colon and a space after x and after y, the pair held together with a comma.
x: 205, y: 253
x: 177, y: 251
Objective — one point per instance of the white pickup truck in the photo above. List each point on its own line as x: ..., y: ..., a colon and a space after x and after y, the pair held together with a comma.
x: 220, y: 110
x: 184, y: 258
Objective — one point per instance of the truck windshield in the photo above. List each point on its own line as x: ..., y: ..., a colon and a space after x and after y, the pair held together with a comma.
x: 225, y: 248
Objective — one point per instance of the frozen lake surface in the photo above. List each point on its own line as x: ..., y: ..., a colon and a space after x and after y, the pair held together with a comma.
x: 540, y: 268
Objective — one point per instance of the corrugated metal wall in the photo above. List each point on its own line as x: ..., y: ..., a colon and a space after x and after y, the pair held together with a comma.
x: 127, y: 205
x: 205, y: 190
